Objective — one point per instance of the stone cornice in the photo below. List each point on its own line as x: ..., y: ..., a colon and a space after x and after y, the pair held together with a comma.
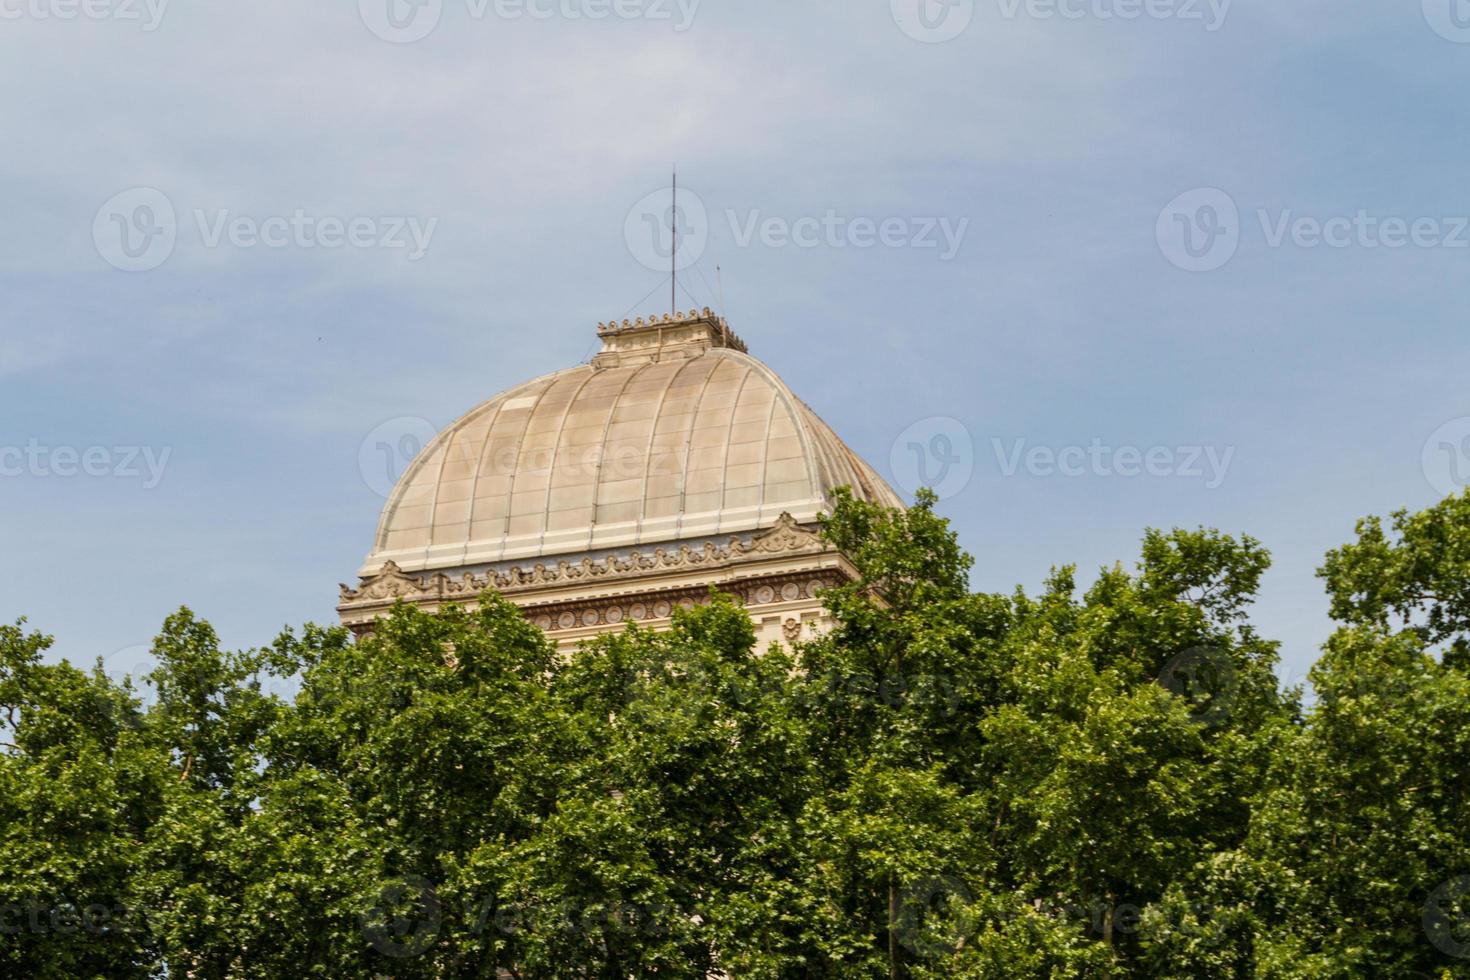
x: 786, y: 538
x: 716, y: 326
x: 674, y: 335
x: 784, y: 591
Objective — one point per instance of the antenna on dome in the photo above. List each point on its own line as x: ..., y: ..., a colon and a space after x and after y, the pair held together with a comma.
x: 674, y: 252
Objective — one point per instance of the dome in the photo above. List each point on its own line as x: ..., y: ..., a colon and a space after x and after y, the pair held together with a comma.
x: 672, y: 432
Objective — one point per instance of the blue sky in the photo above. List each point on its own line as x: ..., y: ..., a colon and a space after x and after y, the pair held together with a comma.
x: 1070, y: 155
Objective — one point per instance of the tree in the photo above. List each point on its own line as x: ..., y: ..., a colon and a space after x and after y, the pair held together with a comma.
x: 1419, y: 579
x: 1097, y: 747
x: 1365, y: 831
x: 1076, y: 783
x: 1358, y: 854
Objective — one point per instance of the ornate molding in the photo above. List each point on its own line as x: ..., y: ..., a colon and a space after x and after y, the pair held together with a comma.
x: 786, y: 537
x: 590, y: 613
x: 562, y: 616
x: 389, y: 583
x: 718, y: 329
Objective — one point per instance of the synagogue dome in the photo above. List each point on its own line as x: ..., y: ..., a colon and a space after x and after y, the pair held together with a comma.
x: 672, y: 433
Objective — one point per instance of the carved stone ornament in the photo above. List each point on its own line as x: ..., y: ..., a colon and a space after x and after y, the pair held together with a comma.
x: 390, y: 583
x: 786, y: 536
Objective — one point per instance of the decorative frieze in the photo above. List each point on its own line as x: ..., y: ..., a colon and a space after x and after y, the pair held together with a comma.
x: 660, y: 326
x: 786, y: 538
x: 585, y: 613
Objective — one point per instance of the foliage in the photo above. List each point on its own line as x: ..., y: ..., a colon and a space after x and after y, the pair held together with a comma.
x: 1076, y: 783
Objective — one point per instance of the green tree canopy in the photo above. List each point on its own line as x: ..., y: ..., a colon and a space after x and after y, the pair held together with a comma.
x: 1091, y: 782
